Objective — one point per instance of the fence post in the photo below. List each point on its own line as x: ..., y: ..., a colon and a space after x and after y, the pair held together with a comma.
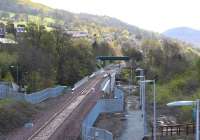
x: 171, y: 130
x: 186, y: 129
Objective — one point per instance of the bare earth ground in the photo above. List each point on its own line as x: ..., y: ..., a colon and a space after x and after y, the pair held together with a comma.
x: 111, y: 122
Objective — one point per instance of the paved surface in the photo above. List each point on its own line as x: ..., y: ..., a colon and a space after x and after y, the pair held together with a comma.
x: 134, y: 126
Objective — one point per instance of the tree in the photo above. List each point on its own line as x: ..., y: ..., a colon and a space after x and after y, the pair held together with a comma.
x: 4, y: 15
x: 10, y: 27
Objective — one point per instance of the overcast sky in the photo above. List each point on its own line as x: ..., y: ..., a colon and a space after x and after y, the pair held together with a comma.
x: 154, y: 15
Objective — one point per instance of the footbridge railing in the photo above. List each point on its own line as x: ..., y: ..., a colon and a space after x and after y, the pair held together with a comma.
x: 103, y: 106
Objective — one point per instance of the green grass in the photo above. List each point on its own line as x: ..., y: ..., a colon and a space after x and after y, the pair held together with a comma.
x: 179, y: 88
x: 5, y: 102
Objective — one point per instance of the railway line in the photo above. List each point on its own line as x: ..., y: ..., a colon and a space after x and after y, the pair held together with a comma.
x: 50, y: 126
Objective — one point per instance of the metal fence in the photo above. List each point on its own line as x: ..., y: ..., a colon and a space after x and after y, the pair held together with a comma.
x: 5, y: 89
x: 104, y: 105
x: 97, y: 134
x: 105, y: 85
x: 81, y: 82
x: 40, y: 96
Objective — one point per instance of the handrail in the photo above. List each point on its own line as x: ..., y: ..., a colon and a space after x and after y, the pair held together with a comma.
x: 176, y: 129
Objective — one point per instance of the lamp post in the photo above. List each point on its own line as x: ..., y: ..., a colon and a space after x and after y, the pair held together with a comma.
x: 154, y: 108
x: 142, y: 89
x: 143, y: 100
x: 141, y: 78
x: 189, y: 103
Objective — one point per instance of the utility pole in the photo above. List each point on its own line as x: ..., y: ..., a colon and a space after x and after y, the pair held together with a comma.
x: 141, y: 87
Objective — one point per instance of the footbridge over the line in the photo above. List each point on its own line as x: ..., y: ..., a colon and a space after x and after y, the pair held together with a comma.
x: 103, y: 59
x: 113, y: 58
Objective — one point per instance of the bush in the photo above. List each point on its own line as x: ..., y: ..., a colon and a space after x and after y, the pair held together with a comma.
x: 15, y: 115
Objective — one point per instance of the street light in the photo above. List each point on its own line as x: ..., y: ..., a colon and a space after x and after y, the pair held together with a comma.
x: 189, y: 103
x: 142, y: 93
x: 154, y: 106
x: 17, y: 73
x: 141, y: 78
x: 142, y: 88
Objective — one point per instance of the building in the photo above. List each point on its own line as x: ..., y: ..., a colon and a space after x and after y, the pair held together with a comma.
x: 77, y: 34
x: 20, y: 29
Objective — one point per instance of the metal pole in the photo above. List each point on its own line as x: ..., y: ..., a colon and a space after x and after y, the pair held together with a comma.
x: 132, y: 76
x: 144, y: 106
x: 197, y: 119
x: 17, y: 75
x: 154, y: 110
x: 140, y: 92
x: 110, y: 84
x: 141, y: 78
x: 130, y: 83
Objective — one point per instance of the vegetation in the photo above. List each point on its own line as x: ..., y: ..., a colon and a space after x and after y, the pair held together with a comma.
x: 174, y: 66
x: 44, y: 58
x: 45, y: 55
x: 14, y: 114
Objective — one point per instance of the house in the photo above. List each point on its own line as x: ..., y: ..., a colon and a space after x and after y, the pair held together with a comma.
x: 20, y: 28
x: 77, y: 34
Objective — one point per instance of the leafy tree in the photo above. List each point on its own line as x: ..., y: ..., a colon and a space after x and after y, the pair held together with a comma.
x: 10, y: 27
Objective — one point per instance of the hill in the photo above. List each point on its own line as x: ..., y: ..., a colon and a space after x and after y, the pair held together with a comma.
x: 185, y: 34
x: 24, y: 8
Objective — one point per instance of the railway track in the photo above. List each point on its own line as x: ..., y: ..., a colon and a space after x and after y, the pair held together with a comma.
x: 50, y: 126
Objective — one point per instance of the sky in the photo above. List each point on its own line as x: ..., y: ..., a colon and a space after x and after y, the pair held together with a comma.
x: 153, y: 15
